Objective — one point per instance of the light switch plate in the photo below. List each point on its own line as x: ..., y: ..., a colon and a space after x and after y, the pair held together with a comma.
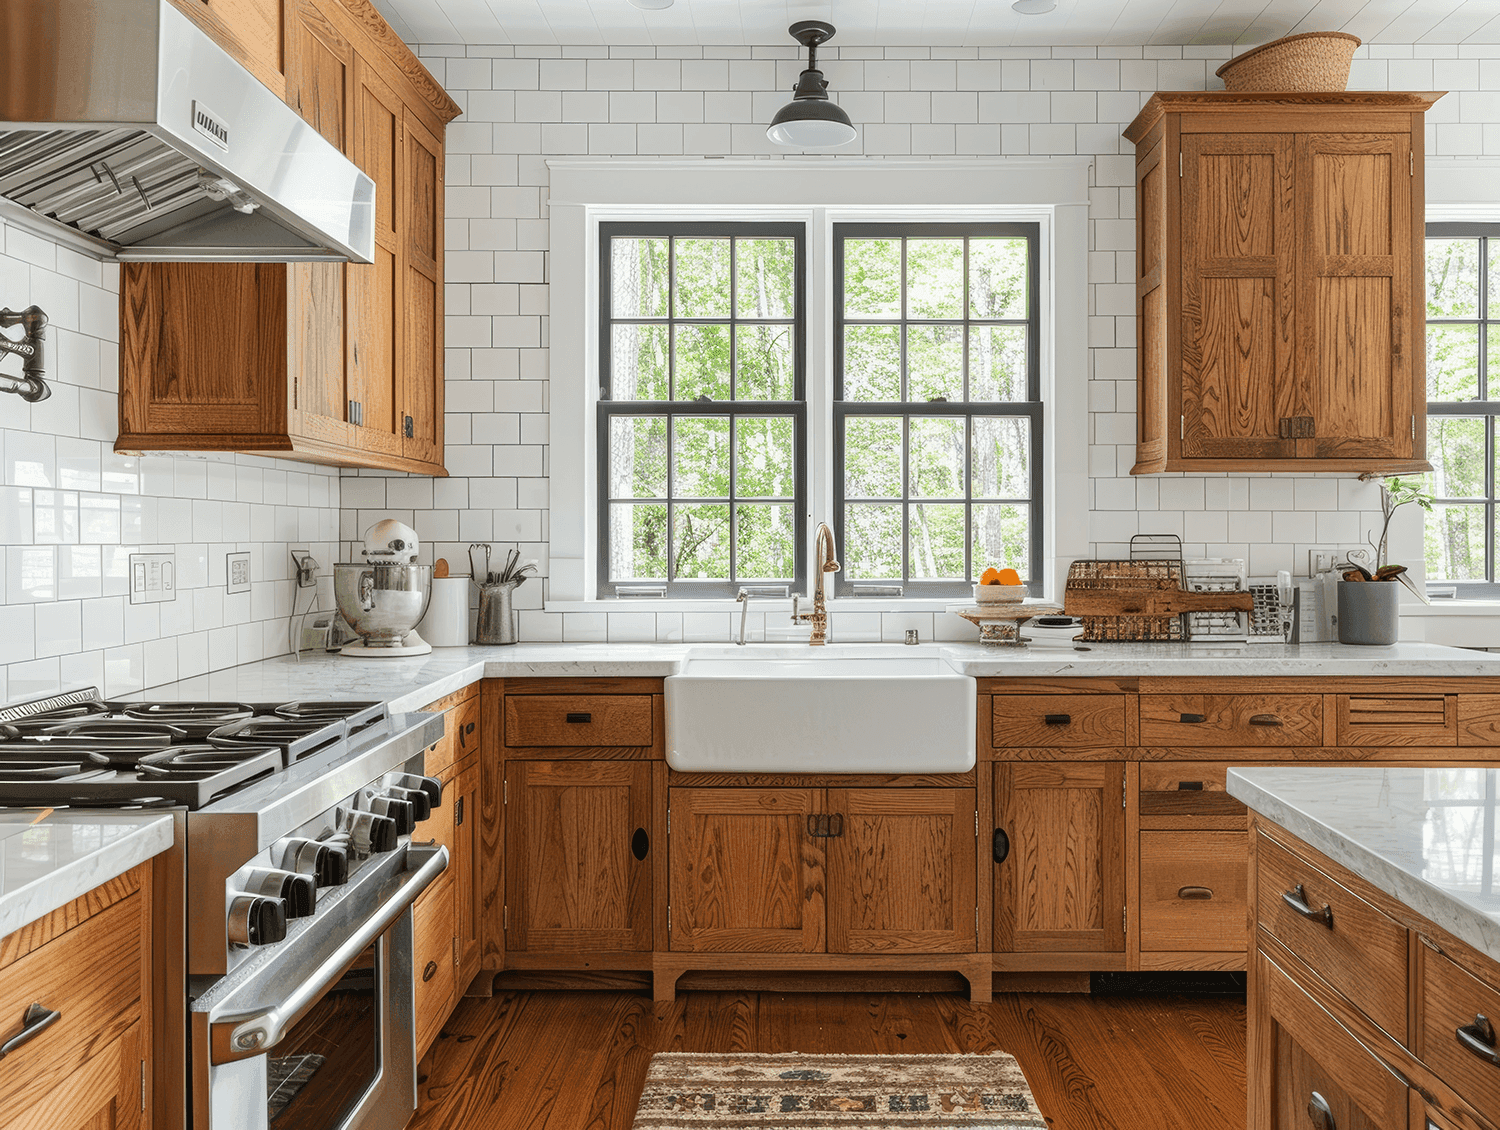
x: 237, y: 574
x: 153, y: 577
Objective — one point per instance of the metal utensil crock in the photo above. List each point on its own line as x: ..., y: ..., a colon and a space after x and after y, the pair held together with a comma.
x: 497, y: 613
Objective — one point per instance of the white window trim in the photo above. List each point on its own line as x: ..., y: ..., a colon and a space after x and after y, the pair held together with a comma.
x: 820, y: 191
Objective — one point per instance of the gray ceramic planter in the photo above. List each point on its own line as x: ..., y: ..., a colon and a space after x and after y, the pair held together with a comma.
x: 1369, y: 612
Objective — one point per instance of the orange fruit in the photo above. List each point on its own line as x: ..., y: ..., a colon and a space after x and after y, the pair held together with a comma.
x: 991, y: 576
x: 1009, y: 577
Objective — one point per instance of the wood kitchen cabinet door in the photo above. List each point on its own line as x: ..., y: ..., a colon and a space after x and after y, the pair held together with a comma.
x: 578, y: 856
x: 249, y: 30
x: 746, y: 874
x: 1360, y: 318
x: 376, y: 320
x: 420, y: 400
x: 1061, y: 884
x: 901, y: 871
x: 466, y: 895
x: 1239, y: 396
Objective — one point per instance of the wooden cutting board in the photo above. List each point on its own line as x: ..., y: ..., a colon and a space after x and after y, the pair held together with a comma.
x: 1152, y: 602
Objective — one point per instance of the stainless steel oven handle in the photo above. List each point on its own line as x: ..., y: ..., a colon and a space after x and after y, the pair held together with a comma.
x: 241, y: 1037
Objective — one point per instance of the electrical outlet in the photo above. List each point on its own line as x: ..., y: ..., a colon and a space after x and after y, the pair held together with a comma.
x: 237, y: 572
x: 1321, y: 560
x: 153, y: 577
x: 304, y: 568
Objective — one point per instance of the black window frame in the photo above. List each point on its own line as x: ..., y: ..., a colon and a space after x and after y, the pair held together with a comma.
x: 1486, y: 407
x: 608, y: 408
x: 1032, y: 408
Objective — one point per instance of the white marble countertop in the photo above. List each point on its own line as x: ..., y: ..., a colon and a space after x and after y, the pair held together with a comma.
x: 48, y: 859
x: 1426, y: 837
x: 411, y: 683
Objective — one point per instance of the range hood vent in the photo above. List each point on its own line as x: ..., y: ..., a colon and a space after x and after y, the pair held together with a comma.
x: 128, y: 130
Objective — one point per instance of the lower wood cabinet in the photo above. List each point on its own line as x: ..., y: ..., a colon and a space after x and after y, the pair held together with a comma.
x: 89, y: 962
x: 843, y: 871
x: 433, y: 958
x: 578, y: 863
x: 1059, y: 847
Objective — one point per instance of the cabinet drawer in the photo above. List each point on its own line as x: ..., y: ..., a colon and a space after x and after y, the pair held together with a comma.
x: 460, y: 738
x: 1184, y: 795
x: 92, y: 976
x: 596, y: 721
x: 1479, y: 719
x: 1352, y: 945
x: 1021, y: 720
x: 1453, y: 999
x: 433, y: 950
x: 1231, y: 719
x: 1193, y: 891
x: 1399, y: 720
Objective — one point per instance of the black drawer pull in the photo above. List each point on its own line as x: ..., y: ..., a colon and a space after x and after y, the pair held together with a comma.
x: 1001, y: 846
x: 1297, y: 900
x: 1319, y: 1113
x: 1190, y: 786
x: 429, y: 971
x: 580, y: 717
x: 1477, y: 1038
x: 1265, y: 720
x: 1195, y: 894
x: 1192, y: 718
x: 34, y: 1021
x: 640, y: 844
x: 1057, y: 719
x: 463, y: 734
x: 825, y: 825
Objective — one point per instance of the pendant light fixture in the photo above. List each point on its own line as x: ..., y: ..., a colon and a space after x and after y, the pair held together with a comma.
x: 810, y: 120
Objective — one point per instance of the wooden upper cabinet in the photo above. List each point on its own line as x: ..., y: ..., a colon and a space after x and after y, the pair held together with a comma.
x: 1278, y: 287
x: 249, y: 30
x: 325, y: 362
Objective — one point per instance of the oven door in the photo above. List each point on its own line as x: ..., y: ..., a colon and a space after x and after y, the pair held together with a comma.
x: 319, y: 1035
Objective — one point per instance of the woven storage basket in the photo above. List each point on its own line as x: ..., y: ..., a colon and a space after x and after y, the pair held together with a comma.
x: 1315, y: 61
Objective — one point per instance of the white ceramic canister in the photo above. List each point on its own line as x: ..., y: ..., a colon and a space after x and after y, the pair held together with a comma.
x: 447, y: 621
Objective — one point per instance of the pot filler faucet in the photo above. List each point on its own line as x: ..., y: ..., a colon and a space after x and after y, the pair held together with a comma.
x: 824, y: 563
x: 30, y: 386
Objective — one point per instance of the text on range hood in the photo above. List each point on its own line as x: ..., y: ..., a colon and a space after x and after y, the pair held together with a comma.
x: 121, y: 121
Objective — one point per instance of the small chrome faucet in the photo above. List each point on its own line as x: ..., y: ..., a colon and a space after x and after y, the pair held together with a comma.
x: 824, y: 563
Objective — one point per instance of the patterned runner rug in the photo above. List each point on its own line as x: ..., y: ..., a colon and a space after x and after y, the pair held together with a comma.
x: 801, y: 1092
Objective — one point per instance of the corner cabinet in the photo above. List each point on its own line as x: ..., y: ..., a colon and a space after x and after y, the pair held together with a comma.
x: 323, y: 362
x: 1279, y: 282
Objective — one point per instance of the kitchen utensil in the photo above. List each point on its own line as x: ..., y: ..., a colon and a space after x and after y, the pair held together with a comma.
x: 384, y: 598
x: 480, y: 573
x: 447, y: 621
x: 1217, y: 574
x: 497, y: 614
x: 440, y: 569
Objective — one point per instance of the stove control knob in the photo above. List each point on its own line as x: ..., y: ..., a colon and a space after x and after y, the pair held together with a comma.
x: 429, y: 785
x: 326, y: 864
x: 421, y: 803
x: 394, y: 808
x: 256, y: 921
x: 299, y: 892
x: 368, y: 831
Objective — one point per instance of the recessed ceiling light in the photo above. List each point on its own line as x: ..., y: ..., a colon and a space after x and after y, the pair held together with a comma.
x: 1034, y: 7
x: 652, y: 5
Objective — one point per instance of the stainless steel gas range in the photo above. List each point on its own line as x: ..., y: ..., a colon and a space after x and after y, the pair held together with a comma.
x: 286, y: 900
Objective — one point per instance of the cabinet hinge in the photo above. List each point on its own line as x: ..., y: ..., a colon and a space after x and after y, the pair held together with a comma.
x: 976, y: 823
x: 143, y: 1084
x: 505, y: 791
x: 669, y: 821
x: 1179, y: 164
x: 1182, y: 427
x: 455, y: 950
x: 1413, y: 428
x: 669, y: 918
x: 505, y: 917
x: 1124, y: 785
x: 1411, y: 163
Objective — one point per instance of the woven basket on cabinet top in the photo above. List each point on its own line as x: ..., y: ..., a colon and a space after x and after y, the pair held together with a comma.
x: 1316, y: 61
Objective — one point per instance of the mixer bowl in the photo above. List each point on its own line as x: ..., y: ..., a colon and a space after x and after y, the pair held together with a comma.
x: 382, y: 602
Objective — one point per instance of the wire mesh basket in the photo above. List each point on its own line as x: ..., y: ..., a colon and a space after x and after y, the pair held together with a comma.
x: 1155, y: 563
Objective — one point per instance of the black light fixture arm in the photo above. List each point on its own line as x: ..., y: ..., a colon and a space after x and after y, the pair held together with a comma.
x: 30, y: 385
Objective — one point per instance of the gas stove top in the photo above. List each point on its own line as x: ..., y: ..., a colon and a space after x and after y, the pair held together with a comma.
x: 80, y: 750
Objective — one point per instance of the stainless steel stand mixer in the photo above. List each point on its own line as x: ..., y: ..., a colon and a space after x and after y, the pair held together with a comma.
x: 384, y: 597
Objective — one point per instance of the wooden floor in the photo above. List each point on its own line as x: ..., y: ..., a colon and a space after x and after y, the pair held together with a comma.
x: 576, y: 1060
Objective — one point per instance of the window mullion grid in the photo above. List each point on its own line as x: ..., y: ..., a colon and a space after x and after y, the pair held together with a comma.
x: 734, y: 395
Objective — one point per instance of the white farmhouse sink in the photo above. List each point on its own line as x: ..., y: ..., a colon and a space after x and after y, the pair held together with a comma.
x: 819, y: 710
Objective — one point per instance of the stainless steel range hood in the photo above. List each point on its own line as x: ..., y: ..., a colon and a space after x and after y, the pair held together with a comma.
x: 132, y: 132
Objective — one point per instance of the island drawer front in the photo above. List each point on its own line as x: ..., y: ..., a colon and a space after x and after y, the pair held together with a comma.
x: 1183, y: 795
x: 1049, y: 720
x: 91, y: 975
x: 1231, y: 720
x: 1479, y: 719
x: 1362, y: 953
x: 594, y: 721
x: 1397, y: 720
x: 1452, y: 998
x: 1193, y: 891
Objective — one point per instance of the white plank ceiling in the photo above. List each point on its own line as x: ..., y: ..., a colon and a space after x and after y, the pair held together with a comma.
x: 940, y: 23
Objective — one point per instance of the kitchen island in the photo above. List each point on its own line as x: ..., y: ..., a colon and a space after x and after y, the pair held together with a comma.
x: 1375, y: 918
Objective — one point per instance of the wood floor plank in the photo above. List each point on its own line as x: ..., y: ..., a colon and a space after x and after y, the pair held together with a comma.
x: 578, y: 1060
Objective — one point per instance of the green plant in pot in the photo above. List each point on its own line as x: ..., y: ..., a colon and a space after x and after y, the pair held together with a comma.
x: 1370, y: 603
